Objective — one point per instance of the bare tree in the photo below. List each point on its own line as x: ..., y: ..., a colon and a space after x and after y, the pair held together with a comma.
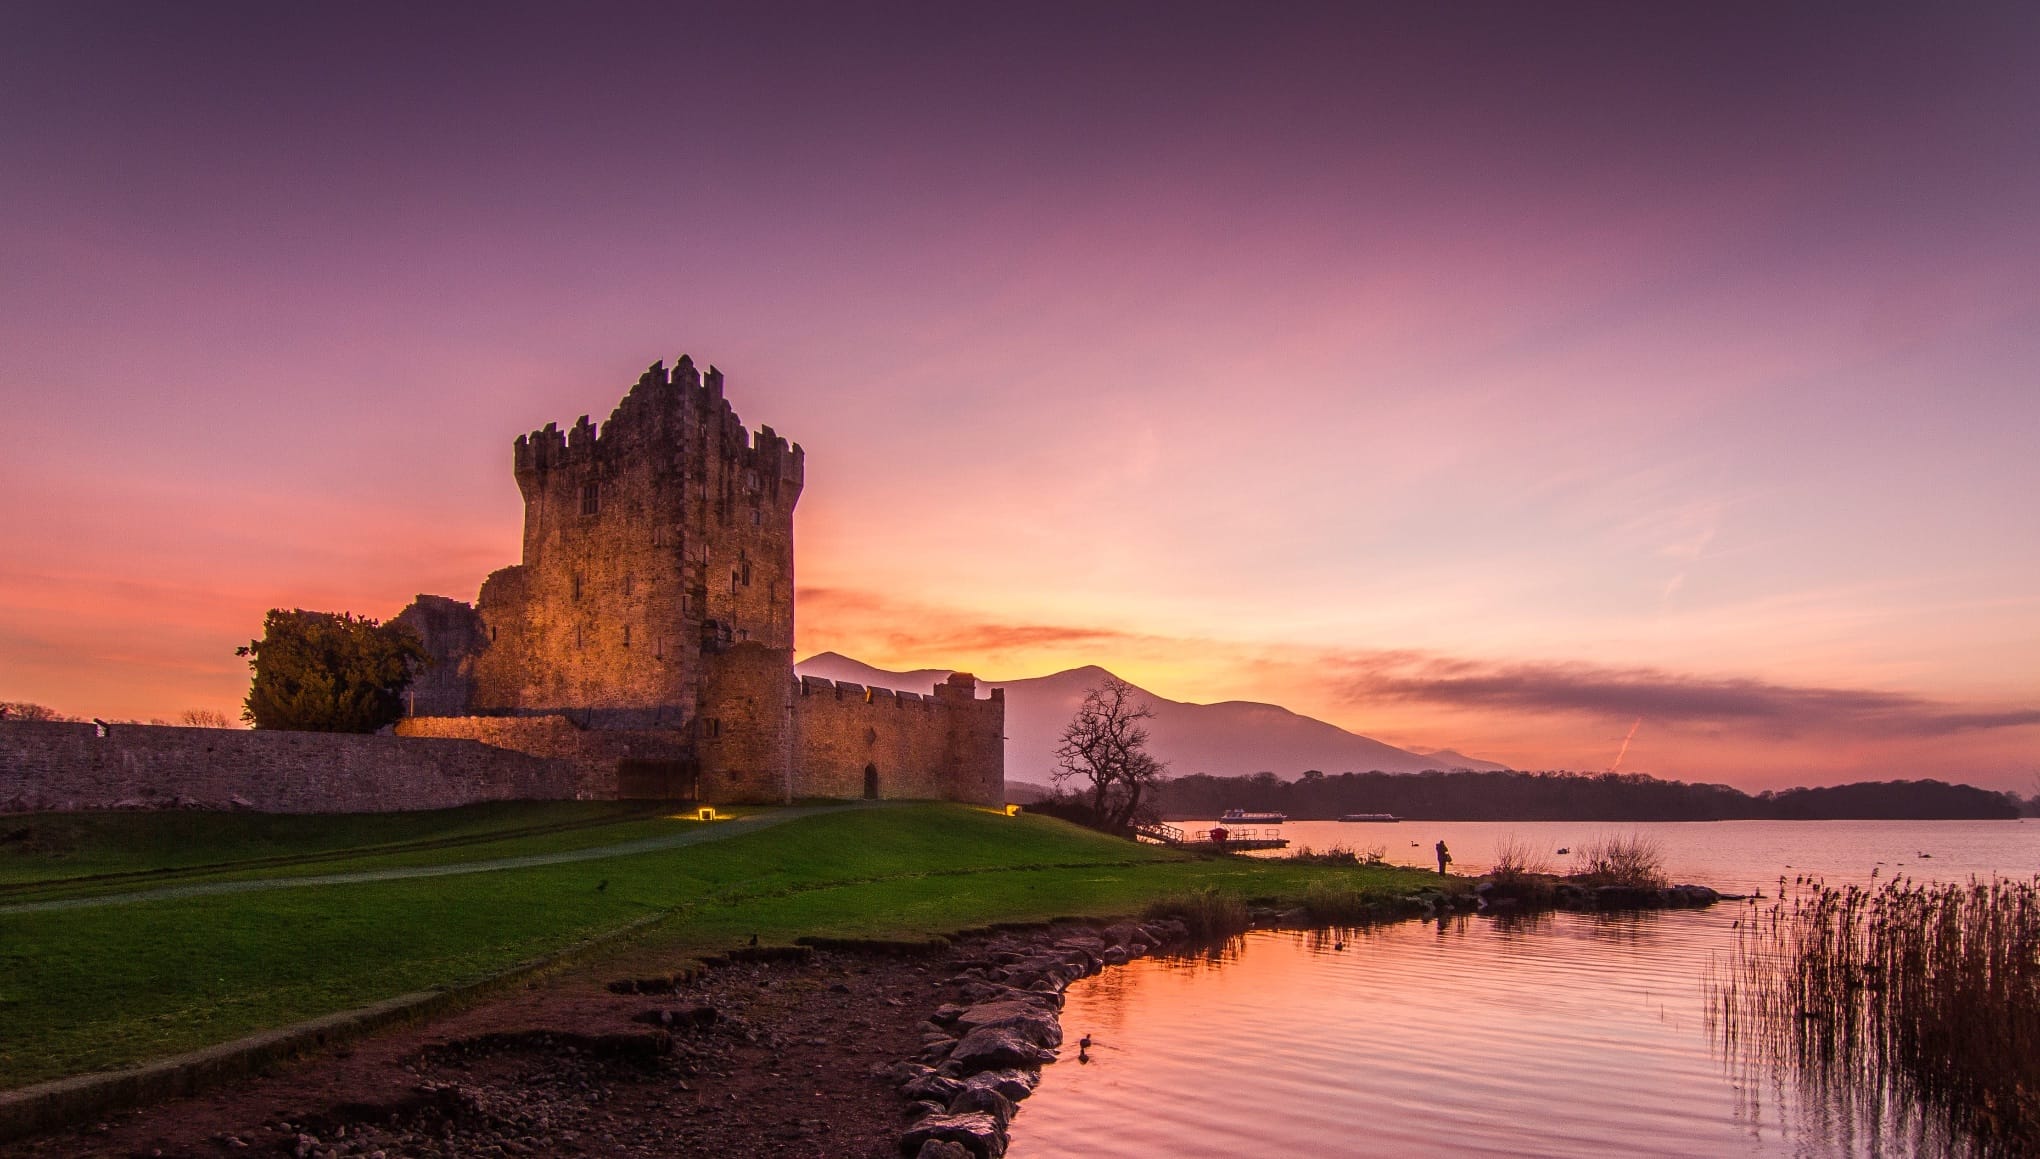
x: 204, y: 718
x: 26, y: 710
x: 1105, y: 743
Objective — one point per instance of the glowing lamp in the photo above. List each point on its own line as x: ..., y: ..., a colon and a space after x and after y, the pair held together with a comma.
x: 707, y: 813
x: 1012, y: 810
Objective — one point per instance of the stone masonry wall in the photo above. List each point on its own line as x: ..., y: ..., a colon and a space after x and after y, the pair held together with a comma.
x: 846, y: 728
x: 593, y: 753
x: 651, y: 542
x: 948, y: 747
x: 745, y: 732
x: 975, y: 744
x: 453, y: 635
x: 61, y: 767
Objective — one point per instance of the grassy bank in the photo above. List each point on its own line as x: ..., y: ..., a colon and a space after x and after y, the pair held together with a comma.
x: 87, y: 989
x: 44, y: 851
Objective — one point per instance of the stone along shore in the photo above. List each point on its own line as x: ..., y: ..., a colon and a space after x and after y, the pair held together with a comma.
x: 983, y: 1052
x: 829, y: 1050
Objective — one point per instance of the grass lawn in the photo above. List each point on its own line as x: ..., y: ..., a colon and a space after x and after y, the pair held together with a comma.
x: 92, y: 988
x: 43, y: 848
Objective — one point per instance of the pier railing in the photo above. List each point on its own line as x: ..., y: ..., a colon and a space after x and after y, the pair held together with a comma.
x: 1164, y: 833
x: 1246, y: 833
x: 1236, y: 836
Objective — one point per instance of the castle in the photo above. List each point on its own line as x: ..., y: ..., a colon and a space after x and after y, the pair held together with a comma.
x: 647, y: 634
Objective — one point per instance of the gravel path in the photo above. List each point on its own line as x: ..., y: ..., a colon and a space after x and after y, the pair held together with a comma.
x: 688, y: 835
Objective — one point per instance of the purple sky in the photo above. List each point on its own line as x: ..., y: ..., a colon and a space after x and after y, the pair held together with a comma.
x: 1486, y: 376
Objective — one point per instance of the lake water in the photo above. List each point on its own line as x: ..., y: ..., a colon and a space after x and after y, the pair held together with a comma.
x: 1732, y: 856
x: 1557, y: 1034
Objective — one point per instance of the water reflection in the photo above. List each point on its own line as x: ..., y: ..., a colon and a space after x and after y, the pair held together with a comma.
x: 1515, y: 923
x: 1545, y: 1034
x: 1736, y: 856
x: 1861, y: 1113
x: 1904, y: 1013
x: 1503, y: 1035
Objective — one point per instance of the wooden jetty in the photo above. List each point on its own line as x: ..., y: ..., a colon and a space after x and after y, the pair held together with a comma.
x: 1237, y: 839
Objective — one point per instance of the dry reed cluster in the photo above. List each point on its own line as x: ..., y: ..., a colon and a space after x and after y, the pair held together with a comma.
x: 1339, y: 855
x: 1630, y: 860
x: 1904, y: 1000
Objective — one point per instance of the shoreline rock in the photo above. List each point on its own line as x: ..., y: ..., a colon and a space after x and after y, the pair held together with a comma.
x: 985, y: 1050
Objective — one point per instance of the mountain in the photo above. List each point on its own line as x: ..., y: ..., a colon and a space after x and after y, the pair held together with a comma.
x: 1450, y: 759
x: 1227, y: 739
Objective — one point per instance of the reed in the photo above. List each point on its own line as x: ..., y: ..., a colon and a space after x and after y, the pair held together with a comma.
x: 1339, y: 855
x: 1633, y: 860
x: 1520, y: 870
x: 1210, y: 913
x: 1906, y: 995
x: 1337, y: 903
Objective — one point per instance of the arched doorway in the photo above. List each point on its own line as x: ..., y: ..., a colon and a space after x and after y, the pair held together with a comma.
x: 871, y: 782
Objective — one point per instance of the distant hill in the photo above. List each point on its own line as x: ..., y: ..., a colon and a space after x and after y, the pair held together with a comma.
x: 1449, y: 759
x: 1231, y: 738
x: 1027, y: 792
x: 1489, y: 796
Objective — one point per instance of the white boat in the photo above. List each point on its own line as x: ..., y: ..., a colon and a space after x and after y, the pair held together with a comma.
x: 1242, y: 817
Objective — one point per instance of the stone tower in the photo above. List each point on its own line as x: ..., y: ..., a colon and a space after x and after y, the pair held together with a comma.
x: 647, y: 635
x: 652, y: 544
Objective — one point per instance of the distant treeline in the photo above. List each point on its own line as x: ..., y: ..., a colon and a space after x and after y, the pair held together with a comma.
x: 1562, y: 796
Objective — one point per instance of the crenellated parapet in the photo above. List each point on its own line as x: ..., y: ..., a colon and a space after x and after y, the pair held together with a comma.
x: 681, y: 410
x: 843, y: 691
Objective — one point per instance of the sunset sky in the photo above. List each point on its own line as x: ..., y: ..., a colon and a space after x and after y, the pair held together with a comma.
x: 1500, y: 377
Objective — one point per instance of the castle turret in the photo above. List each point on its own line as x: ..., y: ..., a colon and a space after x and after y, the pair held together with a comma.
x: 650, y: 540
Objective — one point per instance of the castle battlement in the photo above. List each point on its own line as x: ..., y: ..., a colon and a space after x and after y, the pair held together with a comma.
x: 679, y: 410
x: 950, y: 693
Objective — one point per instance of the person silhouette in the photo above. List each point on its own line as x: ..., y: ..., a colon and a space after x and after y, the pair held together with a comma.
x: 1444, y: 857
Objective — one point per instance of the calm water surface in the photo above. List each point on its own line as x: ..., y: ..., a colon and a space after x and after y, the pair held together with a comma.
x: 1736, y: 856
x: 1560, y: 1034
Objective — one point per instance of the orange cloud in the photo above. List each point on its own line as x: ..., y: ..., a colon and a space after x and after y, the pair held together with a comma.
x: 1662, y: 697
x: 868, y: 624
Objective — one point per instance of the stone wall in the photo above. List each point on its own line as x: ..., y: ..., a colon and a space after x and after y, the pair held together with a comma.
x: 975, y: 752
x: 51, y: 767
x: 453, y: 635
x: 594, y: 754
x: 764, y: 735
x: 746, y: 732
x: 850, y: 740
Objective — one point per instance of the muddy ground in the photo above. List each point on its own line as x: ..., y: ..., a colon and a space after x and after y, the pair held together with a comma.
x: 772, y: 1058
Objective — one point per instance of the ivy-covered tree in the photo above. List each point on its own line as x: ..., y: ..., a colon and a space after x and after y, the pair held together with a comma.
x: 328, y: 672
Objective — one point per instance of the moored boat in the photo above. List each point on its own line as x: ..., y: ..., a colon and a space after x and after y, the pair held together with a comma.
x: 1242, y: 817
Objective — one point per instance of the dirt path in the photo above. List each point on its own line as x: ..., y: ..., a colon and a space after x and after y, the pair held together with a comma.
x: 689, y: 835
x: 750, y: 1059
